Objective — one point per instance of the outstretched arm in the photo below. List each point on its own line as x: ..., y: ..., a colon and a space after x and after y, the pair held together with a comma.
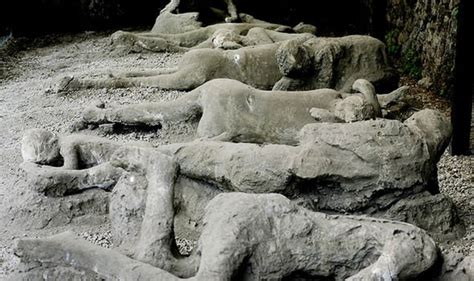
x: 186, y: 78
x: 148, y: 114
x: 130, y: 42
x: 56, y: 181
x: 49, y: 253
x: 143, y: 73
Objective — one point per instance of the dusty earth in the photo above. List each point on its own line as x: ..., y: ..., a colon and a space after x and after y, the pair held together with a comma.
x: 28, y: 74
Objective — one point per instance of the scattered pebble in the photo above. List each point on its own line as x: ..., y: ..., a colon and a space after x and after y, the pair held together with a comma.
x: 28, y: 100
x: 101, y: 239
x: 8, y: 261
x: 456, y: 181
x: 104, y: 239
x: 185, y: 246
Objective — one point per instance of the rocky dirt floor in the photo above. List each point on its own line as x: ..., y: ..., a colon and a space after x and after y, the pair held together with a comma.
x: 28, y: 75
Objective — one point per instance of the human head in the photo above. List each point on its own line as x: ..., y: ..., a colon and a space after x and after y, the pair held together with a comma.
x: 293, y: 58
x: 226, y: 39
x: 39, y: 146
x: 433, y: 127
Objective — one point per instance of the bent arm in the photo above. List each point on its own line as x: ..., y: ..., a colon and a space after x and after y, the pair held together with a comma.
x: 232, y: 10
x: 56, y: 181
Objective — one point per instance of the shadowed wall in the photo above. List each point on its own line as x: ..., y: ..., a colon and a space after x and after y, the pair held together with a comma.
x: 41, y: 16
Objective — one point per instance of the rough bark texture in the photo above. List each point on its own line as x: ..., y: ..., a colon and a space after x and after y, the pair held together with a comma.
x: 424, y: 32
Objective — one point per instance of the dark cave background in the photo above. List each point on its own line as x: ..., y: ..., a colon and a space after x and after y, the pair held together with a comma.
x: 36, y: 17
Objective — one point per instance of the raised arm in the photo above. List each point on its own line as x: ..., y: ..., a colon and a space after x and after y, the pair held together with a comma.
x: 232, y: 10
x: 171, y: 6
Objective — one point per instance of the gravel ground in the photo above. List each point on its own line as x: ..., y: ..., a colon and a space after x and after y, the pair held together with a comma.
x: 455, y: 173
x: 28, y: 76
x: 27, y: 100
x: 456, y: 179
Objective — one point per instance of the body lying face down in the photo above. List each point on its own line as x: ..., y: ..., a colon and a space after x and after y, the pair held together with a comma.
x: 232, y: 111
x: 298, y: 65
x: 249, y: 236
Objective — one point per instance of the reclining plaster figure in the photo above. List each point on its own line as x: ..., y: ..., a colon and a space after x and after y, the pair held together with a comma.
x: 182, y: 32
x: 276, y: 238
x: 321, y: 62
x: 169, y: 23
x: 224, y: 36
x: 233, y: 111
x: 353, y: 161
x: 245, y: 237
